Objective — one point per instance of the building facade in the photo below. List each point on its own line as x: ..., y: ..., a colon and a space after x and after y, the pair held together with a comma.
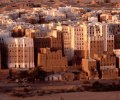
x: 53, y: 41
x: 20, y: 53
x: 52, y: 61
x: 75, y: 39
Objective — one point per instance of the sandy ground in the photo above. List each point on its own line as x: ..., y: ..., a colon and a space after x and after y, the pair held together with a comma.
x: 66, y: 96
x: 70, y: 96
x: 6, y: 84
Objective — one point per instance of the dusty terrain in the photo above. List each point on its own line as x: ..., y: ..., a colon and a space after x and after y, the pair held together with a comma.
x: 70, y: 96
x: 76, y: 90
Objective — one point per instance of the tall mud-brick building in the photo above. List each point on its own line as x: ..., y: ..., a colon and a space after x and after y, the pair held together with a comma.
x: 20, y: 53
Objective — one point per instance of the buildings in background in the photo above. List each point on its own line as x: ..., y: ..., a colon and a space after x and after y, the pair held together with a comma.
x: 62, y: 39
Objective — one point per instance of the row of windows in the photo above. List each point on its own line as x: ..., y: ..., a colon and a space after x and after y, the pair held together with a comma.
x: 20, y: 60
x: 13, y: 56
x: 79, y: 38
x: 20, y: 66
x: 51, y: 56
x: 101, y: 46
x: 79, y: 33
x: 67, y: 38
x: 79, y: 48
x: 100, y: 42
x: 78, y: 29
x: 67, y: 44
x: 14, y: 45
x: 1, y: 39
x: 79, y: 44
x: 20, y: 51
x: 107, y: 64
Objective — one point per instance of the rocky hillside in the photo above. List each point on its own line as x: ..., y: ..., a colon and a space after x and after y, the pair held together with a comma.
x: 12, y: 4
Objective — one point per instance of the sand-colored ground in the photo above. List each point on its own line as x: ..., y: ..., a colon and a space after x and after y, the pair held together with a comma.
x: 70, y: 96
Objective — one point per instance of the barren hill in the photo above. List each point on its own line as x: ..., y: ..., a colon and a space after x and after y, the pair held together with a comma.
x: 12, y: 4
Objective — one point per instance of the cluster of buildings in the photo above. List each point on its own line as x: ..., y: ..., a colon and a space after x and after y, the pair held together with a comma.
x: 81, y: 42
